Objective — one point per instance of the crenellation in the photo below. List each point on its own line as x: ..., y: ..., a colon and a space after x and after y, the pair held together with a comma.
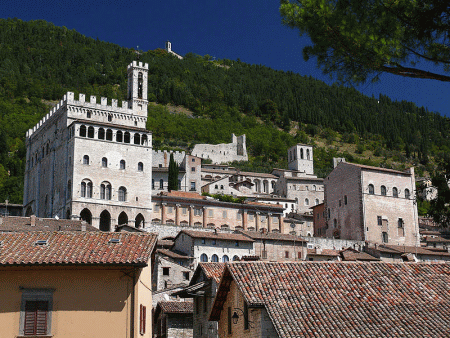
x: 103, y: 101
x: 82, y: 98
x: 93, y: 99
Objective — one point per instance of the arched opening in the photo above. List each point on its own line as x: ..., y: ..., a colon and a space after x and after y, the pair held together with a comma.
x: 235, y: 258
x: 395, y: 192
x: 105, y: 191
x: 104, y: 162
x: 225, y: 259
x: 83, y: 131
x: 126, y: 137
x: 140, y: 166
x: 122, y: 164
x: 91, y: 132
x: 68, y: 214
x: 109, y: 135
x: 122, y: 194
x: 139, y: 221
x: 383, y: 190
x: 86, y: 216
x: 86, y: 159
x: 203, y: 258
x: 137, y: 138
x: 371, y: 189
x: 105, y: 221
x: 301, y: 153
x: 119, y: 136
x: 144, y: 140
x: 123, y: 218
x: 101, y: 134
x: 214, y: 258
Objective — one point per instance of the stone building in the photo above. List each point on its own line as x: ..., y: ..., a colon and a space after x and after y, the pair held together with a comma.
x: 371, y: 204
x: 193, y: 210
x: 299, y: 182
x: 173, y: 319
x: 189, y: 176
x: 224, y: 152
x: 171, y: 270
x: 319, y: 219
x: 93, y: 160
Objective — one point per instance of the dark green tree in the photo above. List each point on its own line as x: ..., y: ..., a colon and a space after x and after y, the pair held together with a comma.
x: 440, y: 206
x: 173, y: 174
x: 359, y: 39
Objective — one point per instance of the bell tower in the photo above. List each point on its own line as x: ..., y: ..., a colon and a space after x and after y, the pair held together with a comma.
x: 137, y: 87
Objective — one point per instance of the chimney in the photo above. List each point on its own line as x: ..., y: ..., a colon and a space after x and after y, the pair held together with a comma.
x: 33, y: 220
x: 83, y: 226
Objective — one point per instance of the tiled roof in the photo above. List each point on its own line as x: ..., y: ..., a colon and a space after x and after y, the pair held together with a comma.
x: 19, y: 224
x: 400, y: 249
x: 183, y: 194
x: 172, y: 254
x: 176, y: 307
x: 75, y: 248
x: 354, y: 255
x: 216, y: 235
x: 257, y: 235
x: 323, y: 252
x: 213, y: 270
x: 345, y: 299
x: 436, y: 239
x: 164, y: 243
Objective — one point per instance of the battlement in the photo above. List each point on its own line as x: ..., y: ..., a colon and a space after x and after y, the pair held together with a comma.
x: 136, y: 64
x: 162, y: 152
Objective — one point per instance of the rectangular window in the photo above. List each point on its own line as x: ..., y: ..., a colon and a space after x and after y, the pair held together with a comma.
x: 246, y: 323
x: 193, y: 169
x: 36, y: 312
x: 142, y: 319
x: 345, y: 199
x: 184, y: 211
x: 385, y: 237
x: 379, y: 220
x: 264, y: 254
x: 166, y: 271
x: 197, y: 212
x: 203, y: 241
x: 192, y: 186
x: 186, y: 275
x: 299, y: 255
x: 237, y: 243
x: 286, y: 254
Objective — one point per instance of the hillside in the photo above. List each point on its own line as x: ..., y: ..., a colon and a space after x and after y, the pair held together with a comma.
x: 207, y: 101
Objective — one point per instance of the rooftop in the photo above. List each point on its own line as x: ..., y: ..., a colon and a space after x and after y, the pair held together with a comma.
x: 345, y: 299
x: 256, y: 235
x: 20, y: 224
x: 213, y: 270
x: 76, y: 248
x: 216, y: 235
x: 175, y: 307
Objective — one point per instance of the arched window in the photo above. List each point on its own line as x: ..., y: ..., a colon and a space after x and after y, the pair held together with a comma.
x: 109, y: 117
x: 214, y: 258
x: 395, y: 192
x: 203, y: 258
x: 139, y: 221
x: 371, y: 189
x: 301, y: 153
x: 109, y: 135
x: 122, y: 194
x: 161, y: 184
x: 137, y: 138
x: 105, y: 191
x: 140, y: 166
x: 91, y: 132
x: 383, y: 190
x: 126, y: 137
x: 407, y: 194
x: 235, y: 258
x: 216, y: 186
x: 317, y: 202
x: 119, y: 136
x: 88, y: 188
x: 144, y: 140
x: 225, y: 259
x: 221, y: 187
x: 86, y: 159
x: 306, y: 201
x: 104, y: 162
x: 122, y: 164
x: 307, y: 154
x: 83, y: 189
x: 101, y: 134
x: 83, y: 131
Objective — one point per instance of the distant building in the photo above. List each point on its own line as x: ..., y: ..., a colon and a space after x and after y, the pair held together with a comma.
x: 173, y: 319
x: 371, y: 204
x: 319, y: 217
x: 225, y: 152
x: 170, y: 51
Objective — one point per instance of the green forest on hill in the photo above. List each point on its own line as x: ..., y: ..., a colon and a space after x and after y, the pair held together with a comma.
x: 40, y: 62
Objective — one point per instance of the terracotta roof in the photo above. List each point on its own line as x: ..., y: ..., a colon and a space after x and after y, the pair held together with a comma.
x: 75, y: 248
x: 172, y: 254
x: 354, y: 255
x: 19, y: 224
x: 164, y: 243
x: 175, y: 307
x: 256, y: 235
x: 400, y: 249
x: 323, y: 252
x: 213, y: 270
x: 216, y: 235
x: 345, y: 299
x: 437, y: 239
x: 183, y: 194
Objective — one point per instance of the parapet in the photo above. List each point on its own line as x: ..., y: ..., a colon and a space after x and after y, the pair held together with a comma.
x: 135, y: 64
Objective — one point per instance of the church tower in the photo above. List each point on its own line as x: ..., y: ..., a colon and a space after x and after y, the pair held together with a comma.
x: 137, y: 88
x: 300, y: 158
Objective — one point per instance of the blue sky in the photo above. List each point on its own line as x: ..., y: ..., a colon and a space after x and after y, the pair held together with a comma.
x: 250, y: 30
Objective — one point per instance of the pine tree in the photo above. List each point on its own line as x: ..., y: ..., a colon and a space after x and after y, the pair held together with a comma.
x: 173, y: 174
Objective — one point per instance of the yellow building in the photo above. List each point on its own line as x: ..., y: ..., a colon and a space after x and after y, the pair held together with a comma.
x: 67, y: 284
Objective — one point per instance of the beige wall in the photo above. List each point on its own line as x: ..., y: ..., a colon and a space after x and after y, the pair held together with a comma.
x: 87, y: 302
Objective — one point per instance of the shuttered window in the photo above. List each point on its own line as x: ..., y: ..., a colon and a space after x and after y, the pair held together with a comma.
x: 142, y: 319
x: 35, y: 318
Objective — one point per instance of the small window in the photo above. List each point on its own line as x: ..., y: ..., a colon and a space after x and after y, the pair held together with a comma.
x: 203, y: 241
x: 383, y: 190
x: 214, y: 242
x: 91, y: 132
x: 286, y: 254
x: 153, y: 184
x: 214, y: 258
x: 161, y: 184
x: 140, y: 166
x: 109, y: 117
x: 306, y: 201
x: 384, y: 236
x: 345, y: 199
x: 166, y: 271
x: 88, y: 114
x: 225, y: 259
x: 193, y: 160
x: 400, y: 223
x: 86, y: 160
x: 122, y: 164
x: 395, y: 192
x: 237, y: 243
x: 407, y: 194
x: 193, y: 169
x: 192, y: 186
x: 379, y: 220
x: 371, y: 189
x: 203, y: 258
x: 109, y: 135
x: 142, y: 319
x: 186, y: 275
x: 83, y: 131
x: 104, y: 162
x: 101, y: 134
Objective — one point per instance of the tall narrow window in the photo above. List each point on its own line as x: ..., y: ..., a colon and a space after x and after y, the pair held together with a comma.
x: 119, y: 136
x: 101, y: 134
x: 122, y: 164
x: 126, y: 137
x: 89, y: 189
x: 383, y: 190
x: 161, y: 184
x: 140, y: 85
x: 407, y: 194
x: 122, y: 194
x: 137, y: 138
x: 105, y: 191
x: 385, y: 237
x: 142, y: 319
x: 140, y: 166
x: 83, y: 131
x: 86, y: 159
x: 395, y: 192
x: 379, y: 220
x: 246, y: 322
x: 104, y: 162
x: 91, y: 132
x: 153, y: 184
x: 301, y: 153
x: 109, y: 135
x: 371, y: 189
x: 83, y: 189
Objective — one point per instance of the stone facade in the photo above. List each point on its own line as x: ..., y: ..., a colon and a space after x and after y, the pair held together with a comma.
x: 300, y: 158
x: 92, y: 160
x: 168, y: 273
x: 371, y: 204
x: 225, y: 152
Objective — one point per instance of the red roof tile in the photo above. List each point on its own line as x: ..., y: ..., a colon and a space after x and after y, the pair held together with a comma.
x: 213, y: 270
x: 176, y: 307
x: 68, y: 248
x: 216, y: 235
x: 345, y: 299
x: 19, y: 224
x: 172, y: 254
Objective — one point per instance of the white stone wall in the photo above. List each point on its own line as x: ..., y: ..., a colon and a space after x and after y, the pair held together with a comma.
x: 224, y: 152
x: 300, y: 158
